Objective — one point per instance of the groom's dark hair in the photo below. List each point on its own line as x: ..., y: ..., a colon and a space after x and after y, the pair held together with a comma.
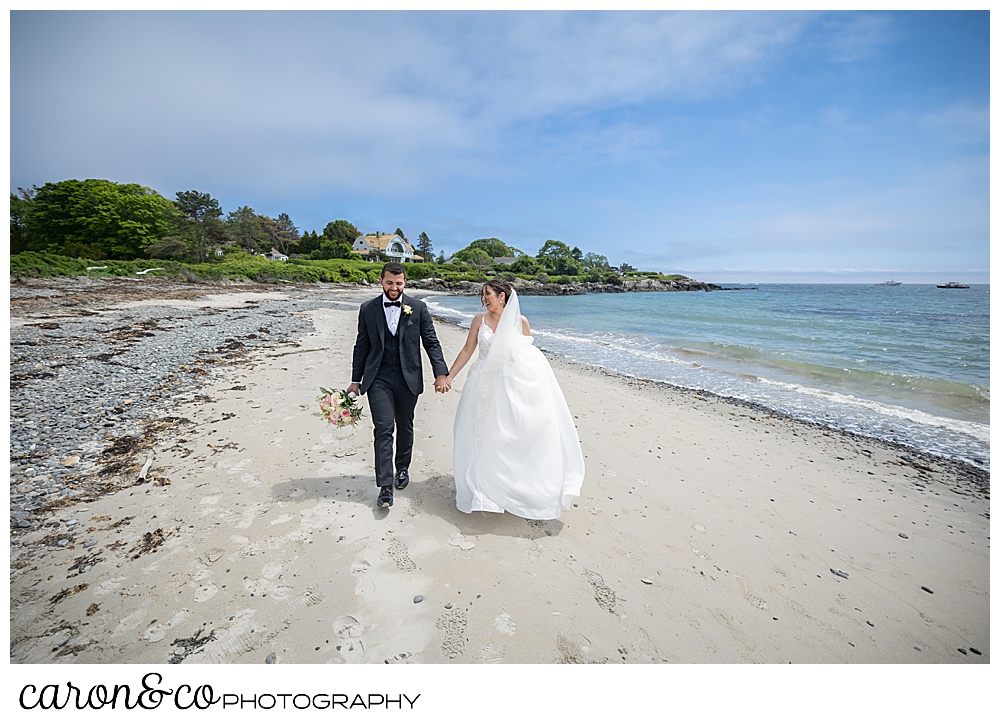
x: 393, y: 267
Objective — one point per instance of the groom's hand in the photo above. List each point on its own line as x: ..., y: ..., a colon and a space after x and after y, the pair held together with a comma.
x: 353, y: 388
x: 441, y: 384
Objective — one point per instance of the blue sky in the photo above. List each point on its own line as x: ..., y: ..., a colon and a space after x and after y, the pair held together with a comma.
x: 737, y: 146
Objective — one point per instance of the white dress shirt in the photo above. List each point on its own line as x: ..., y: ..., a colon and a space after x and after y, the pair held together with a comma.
x: 392, y: 313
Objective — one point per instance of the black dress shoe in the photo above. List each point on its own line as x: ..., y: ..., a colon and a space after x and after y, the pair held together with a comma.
x: 402, y: 479
x: 385, y: 496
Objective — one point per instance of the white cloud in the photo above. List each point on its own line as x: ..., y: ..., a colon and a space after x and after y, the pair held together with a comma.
x: 373, y: 102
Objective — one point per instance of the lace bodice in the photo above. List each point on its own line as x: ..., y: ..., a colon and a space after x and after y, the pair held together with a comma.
x: 484, y: 340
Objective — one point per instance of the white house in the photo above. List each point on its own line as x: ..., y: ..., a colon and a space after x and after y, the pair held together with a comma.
x: 276, y: 255
x: 391, y: 245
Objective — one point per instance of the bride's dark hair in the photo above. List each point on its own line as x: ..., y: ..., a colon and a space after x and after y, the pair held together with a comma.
x: 498, y: 286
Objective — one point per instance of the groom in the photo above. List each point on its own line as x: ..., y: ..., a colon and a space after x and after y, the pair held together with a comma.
x: 387, y: 367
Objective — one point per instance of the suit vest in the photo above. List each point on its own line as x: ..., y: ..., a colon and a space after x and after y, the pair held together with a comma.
x: 390, y: 354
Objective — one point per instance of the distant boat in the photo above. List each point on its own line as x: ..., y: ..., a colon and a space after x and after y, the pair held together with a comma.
x: 952, y: 285
x: 890, y: 283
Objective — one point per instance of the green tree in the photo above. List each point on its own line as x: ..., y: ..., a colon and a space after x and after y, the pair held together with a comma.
x: 567, y: 266
x: 441, y: 259
x: 341, y: 231
x: 424, y: 246
x: 20, y: 204
x: 400, y: 234
x: 491, y: 247
x: 480, y: 261
x: 245, y: 226
x: 200, y: 214
x: 552, y: 250
x: 333, y: 250
x: 169, y: 247
x: 309, y: 242
x: 625, y: 268
x: 576, y: 253
x: 591, y: 261
x: 526, y: 265
x: 281, y: 233
x: 95, y: 219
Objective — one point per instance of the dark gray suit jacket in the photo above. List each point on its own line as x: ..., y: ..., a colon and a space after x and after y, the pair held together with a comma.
x: 372, y: 330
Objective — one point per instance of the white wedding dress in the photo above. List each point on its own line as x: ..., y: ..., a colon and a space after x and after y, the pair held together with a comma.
x: 516, y: 448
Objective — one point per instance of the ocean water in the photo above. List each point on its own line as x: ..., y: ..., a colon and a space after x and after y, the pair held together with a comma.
x: 908, y: 364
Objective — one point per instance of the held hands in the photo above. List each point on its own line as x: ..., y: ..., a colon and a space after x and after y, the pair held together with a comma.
x: 442, y: 383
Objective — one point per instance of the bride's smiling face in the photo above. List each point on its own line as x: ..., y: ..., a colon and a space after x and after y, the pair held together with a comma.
x: 492, y: 301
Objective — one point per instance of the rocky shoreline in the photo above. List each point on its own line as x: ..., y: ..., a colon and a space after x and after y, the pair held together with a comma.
x: 535, y: 288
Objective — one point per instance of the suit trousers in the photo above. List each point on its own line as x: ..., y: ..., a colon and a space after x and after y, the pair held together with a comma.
x: 392, y: 404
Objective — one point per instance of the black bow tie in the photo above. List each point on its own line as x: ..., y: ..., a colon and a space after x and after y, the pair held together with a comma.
x: 392, y: 304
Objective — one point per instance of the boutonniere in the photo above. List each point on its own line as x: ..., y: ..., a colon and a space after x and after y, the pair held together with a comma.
x: 407, y: 309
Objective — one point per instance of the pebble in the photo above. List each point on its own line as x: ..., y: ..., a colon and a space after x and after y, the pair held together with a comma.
x: 447, y: 605
x: 646, y: 581
x: 125, y: 389
x: 63, y: 542
x: 548, y: 532
x: 418, y: 599
x: 271, y: 658
x: 977, y: 652
x: 925, y: 588
x: 963, y: 652
x: 838, y: 572
x: 90, y: 544
x: 903, y: 535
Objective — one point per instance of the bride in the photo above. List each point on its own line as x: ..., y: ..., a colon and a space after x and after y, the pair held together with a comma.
x: 516, y: 448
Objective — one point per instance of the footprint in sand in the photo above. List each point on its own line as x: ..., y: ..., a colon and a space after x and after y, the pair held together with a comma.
x: 401, y: 556
x: 283, y: 518
x: 210, y: 500
x: 362, y: 571
x: 205, y: 591
x: 348, y: 629
x: 414, y: 503
x: 252, y: 480
x: 453, y: 624
x: 159, y: 631
x: 247, y: 551
x: 604, y: 596
x: 492, y: 653
x: 755, y: 600
x: 505, y: 624
x: 700, y: 528
x: 211, y: 556
x: 458, y: 540
x: 568, y: 652
x: 238, y: 467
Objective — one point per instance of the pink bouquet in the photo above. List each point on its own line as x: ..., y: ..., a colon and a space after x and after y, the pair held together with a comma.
x: 337, y: 408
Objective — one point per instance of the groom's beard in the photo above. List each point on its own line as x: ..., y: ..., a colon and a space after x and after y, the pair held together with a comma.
x: 393, y: 294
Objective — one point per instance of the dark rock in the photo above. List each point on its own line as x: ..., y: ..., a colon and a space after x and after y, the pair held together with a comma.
x: 418, y: 599
x: 903, y: 535
x: 977, y: 652
x: 838, y: 572
x: 963, y: 652
x: 925, y: 588
x: 271, y: 658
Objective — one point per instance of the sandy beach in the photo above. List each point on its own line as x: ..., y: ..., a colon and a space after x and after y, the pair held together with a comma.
x: 707, y: 531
